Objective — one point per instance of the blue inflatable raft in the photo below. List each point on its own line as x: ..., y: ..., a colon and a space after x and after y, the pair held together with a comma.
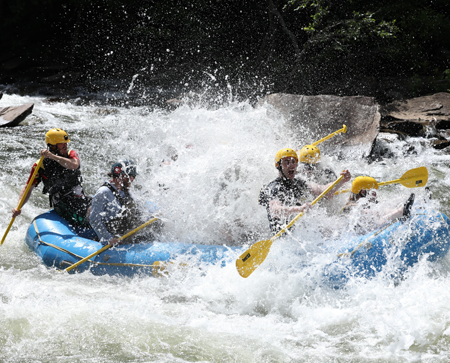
x: 60, y: 245
x: 425, y: 235
x: 401, y: 244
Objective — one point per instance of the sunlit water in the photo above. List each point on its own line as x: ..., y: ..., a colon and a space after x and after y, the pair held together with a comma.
x: 209, y: 195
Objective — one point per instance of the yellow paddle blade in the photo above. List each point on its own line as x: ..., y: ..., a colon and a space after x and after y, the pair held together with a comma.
x: 413, y: 178
x: 253, y: 257
x: 159, y: 268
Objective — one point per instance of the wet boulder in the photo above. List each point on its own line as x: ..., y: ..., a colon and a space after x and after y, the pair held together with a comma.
x: 311, y: 118
x: 12, y: 116
x: 427, y: 116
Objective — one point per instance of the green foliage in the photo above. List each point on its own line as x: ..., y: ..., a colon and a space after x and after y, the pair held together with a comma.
x: 342, y: 25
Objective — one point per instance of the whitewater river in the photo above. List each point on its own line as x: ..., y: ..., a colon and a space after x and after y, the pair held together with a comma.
x: 209, y: 195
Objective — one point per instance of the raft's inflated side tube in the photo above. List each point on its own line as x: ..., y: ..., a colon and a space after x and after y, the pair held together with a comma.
x: 60, y: 245
x: 425, y: 235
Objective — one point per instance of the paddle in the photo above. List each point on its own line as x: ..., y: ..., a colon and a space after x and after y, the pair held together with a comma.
x: 109, y: 246
x: 36, y: 170
x: 343, y: 130
x: 159, y: 268
x: 413, y: 178
x: 257, y: 253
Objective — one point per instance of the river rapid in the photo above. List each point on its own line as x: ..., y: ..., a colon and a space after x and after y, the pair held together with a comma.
x: 203, y: 167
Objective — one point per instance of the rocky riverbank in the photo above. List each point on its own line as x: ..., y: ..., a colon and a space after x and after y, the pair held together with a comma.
x: 372, y: 122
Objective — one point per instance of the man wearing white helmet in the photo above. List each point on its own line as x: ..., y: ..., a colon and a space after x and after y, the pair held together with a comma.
x: 114, y: 211
x: 287, y: 195
x: 60, y: 173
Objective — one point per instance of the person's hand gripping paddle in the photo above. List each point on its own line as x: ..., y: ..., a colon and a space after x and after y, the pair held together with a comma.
x: 257, y: 253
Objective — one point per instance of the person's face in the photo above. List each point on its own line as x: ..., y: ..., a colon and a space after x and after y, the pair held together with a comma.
x: 308, y: 168
x: 61, y: 148
x: 371, y: 194
x: 289, y: 167
x: 127, y: 180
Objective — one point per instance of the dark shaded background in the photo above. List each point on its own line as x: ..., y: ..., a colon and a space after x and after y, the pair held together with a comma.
x: 253, y: 47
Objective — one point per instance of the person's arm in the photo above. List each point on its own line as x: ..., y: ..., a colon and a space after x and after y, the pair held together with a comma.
x: 278, y: 210
x: 317, y: 189
x: 72, y: 162
x: 394, y: 214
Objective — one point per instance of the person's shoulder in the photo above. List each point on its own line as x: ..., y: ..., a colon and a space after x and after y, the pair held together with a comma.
x: 73, y: 155
x: 268, y: 191
x: 272, y: 185
x: 104, y: 189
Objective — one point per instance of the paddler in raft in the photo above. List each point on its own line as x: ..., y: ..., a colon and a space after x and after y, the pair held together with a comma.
x: 361, y: 207
x: 311, y: 168
x: 60, y: 173
x: 286, y: 196
x: 114, y: 211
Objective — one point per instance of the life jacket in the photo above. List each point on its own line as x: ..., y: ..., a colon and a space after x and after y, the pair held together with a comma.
x: 126, y: 219
x: 58, y: 179
x: 289, y: 192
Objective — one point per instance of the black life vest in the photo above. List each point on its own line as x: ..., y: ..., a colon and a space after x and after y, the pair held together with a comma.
x: 289, y: 192
x: 58, y: 179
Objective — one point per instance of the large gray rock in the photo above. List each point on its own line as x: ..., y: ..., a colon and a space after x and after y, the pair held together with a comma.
x: 314, y: 117
x: 12, y: 116
x: 426, y: 108
x: 421, y: 116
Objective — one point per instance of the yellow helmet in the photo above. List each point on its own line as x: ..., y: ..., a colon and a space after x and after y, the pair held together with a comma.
x: 56, y: 136
x: 309, y: 154
x: 363, y: 183
x: 285, y: 153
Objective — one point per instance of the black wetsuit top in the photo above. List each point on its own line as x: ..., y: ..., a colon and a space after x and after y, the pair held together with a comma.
x: 288, y: 192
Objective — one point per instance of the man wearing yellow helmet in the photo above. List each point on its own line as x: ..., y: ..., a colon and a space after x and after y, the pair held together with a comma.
x: 286, y: 196
x: 362, y: 187
x: 363, y: 196
x: 61, y: 176
x: 311, y: 168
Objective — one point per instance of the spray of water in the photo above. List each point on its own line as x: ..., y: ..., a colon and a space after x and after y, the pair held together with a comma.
x: 203, y: 167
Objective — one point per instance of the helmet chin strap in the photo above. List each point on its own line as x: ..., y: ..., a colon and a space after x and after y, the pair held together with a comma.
x: 281, y: 171
x: 53, y: 149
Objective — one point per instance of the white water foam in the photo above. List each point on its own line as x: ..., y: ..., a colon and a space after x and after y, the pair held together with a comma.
x: 209, y: 195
